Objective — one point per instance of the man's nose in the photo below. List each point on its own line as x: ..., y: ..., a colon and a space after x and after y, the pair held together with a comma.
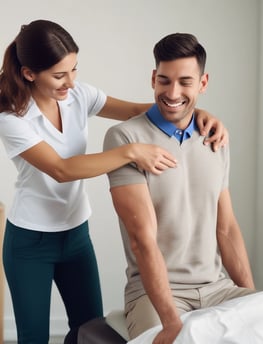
x: 173, y: 91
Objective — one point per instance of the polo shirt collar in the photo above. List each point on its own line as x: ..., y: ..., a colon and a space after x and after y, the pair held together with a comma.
x: 33, y: 111
x: 167, y: 127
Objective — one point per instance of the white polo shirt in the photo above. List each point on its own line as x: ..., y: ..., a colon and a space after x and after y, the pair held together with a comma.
x: 41, y: 203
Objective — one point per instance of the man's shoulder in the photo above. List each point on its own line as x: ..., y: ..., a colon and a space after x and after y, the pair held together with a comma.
x: 133, y: 121
x: 131, y: 125
x: 135, y: 129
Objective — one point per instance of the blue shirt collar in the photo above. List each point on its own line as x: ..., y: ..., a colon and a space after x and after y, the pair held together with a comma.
x: 169, y: 128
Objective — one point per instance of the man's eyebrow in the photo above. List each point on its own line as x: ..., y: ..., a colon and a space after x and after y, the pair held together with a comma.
x: 186, y: 78
x: 162, y: 76
x: 181, y: 78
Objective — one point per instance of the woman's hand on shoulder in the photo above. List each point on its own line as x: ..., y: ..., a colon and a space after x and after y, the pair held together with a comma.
x: 212, y: 128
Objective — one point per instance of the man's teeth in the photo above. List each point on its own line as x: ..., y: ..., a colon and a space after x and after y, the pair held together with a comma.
x: 174, y: 105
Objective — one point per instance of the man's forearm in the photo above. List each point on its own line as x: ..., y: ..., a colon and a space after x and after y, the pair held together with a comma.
x: 235, y: 258
x: 155, y: 280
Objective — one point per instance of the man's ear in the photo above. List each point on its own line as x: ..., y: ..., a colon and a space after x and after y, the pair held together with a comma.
x: 27, y: 74
x: 153, y: 78
x: 203, y: 83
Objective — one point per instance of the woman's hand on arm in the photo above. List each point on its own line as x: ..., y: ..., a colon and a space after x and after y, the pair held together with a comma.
x: 214, y: 130
x: 147, y: 157
x: 158, y: 159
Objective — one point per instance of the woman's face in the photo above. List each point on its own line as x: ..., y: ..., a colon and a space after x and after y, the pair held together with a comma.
x: 54, y: 82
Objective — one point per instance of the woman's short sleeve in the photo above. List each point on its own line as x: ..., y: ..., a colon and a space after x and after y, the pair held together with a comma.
x: 17, y: 134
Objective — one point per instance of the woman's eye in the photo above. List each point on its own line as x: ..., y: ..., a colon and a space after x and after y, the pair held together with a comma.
x: 58, y: 76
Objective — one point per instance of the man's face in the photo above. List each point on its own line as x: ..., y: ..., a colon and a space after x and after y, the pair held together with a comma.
x: 176, y: 85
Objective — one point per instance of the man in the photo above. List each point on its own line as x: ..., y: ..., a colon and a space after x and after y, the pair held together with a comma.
x: 178, y: 229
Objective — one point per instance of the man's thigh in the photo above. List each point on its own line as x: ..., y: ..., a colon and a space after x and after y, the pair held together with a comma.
x: 221, y: 291
x: 141, y: 315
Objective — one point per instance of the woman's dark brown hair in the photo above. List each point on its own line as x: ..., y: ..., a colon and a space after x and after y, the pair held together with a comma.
x: 38, y: 46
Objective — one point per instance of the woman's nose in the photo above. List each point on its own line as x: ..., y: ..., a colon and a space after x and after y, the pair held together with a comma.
x: 69, y: 82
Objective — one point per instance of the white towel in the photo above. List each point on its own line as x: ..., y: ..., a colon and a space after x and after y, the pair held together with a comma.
x: 238, y: 321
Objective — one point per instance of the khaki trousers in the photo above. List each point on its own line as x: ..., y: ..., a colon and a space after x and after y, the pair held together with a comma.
x: 141, y: 315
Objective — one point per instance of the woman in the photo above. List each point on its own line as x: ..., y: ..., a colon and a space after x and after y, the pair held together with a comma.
x: 43, y: 122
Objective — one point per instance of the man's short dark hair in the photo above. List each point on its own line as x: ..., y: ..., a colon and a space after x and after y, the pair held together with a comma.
x: 179, y: 45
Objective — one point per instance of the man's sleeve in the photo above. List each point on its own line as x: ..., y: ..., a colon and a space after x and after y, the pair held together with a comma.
x: 128, y: 174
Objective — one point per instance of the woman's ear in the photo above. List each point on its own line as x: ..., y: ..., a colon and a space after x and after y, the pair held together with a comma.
x: 28, y: 74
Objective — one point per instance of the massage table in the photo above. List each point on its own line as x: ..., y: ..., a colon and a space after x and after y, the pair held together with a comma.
x: 104, y: 330
x: 237, y: 321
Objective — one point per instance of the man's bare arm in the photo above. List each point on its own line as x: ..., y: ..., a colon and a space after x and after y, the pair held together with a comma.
x: 231, y: 244
x: 134, y: 206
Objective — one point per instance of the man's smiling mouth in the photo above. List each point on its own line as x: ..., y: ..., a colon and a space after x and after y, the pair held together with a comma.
x: 173, y: 105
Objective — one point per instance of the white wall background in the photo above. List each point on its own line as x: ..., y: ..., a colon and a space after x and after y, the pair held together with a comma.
x: 116, y: 38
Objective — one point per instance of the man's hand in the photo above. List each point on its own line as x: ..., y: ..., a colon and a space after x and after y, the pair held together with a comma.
x: 168, y: 334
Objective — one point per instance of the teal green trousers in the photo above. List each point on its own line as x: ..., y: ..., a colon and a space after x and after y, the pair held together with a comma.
x: 32, y: 260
